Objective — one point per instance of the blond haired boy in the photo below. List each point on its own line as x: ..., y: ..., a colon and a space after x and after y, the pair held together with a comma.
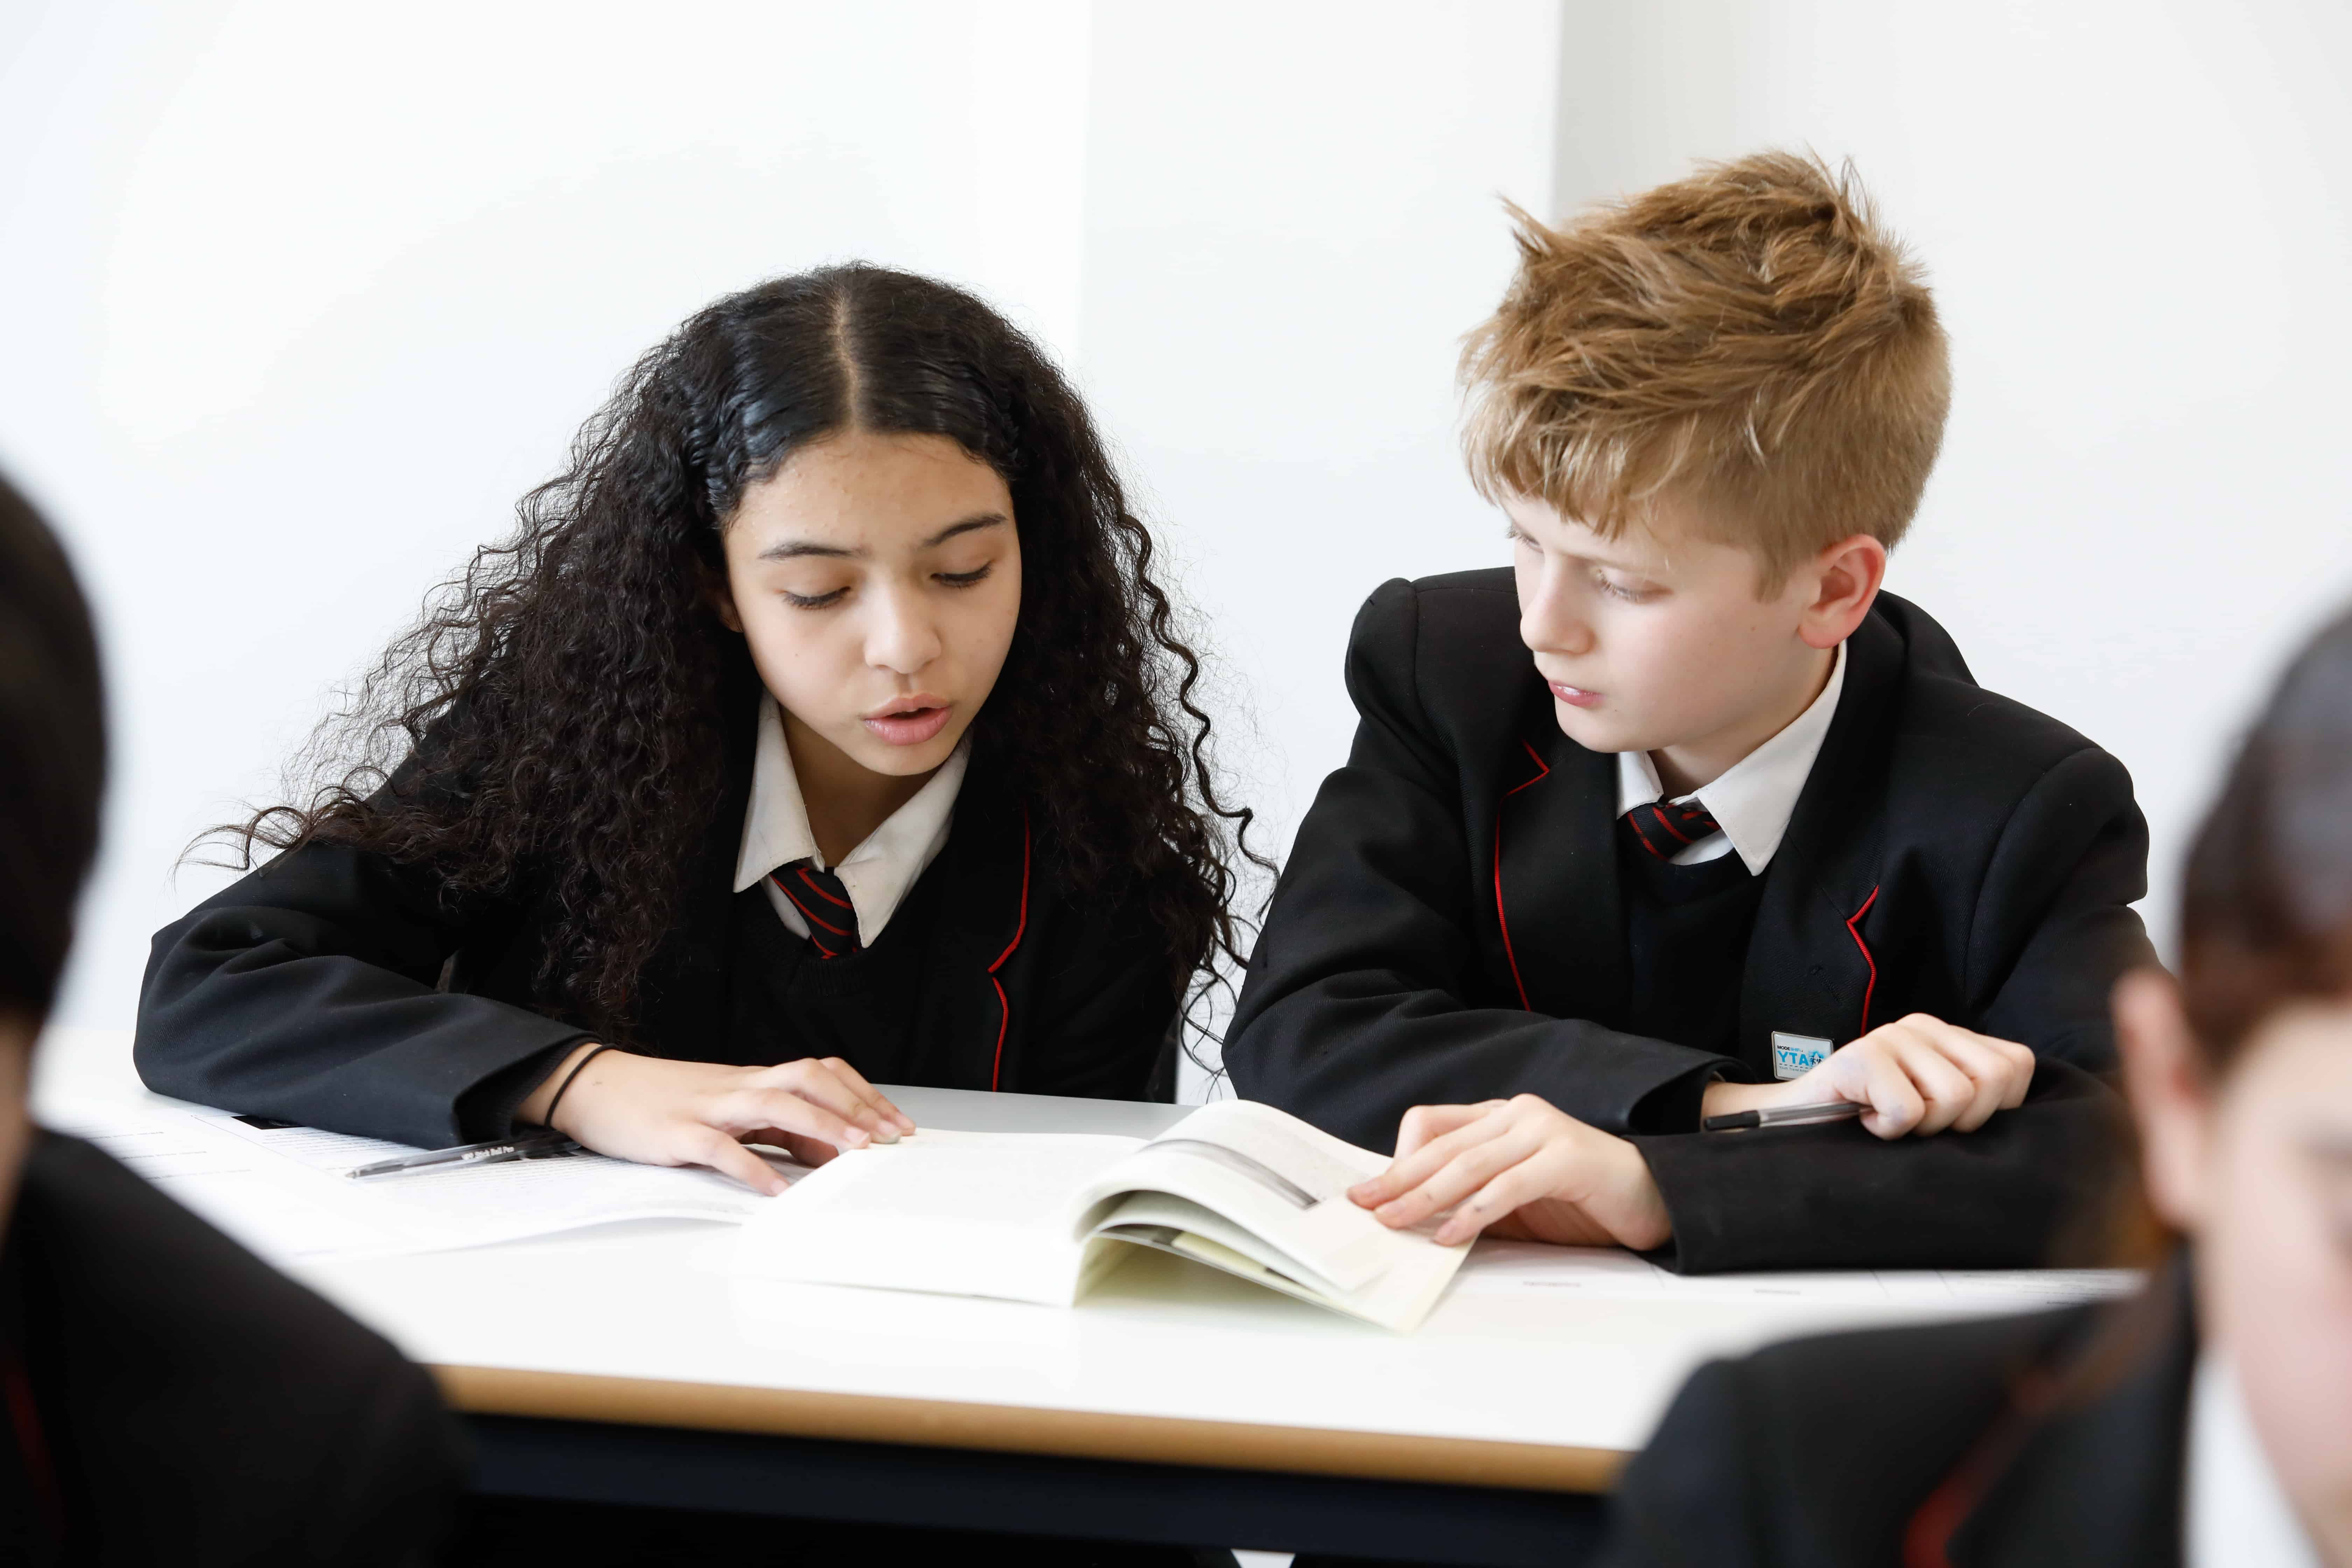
x: 1681, y: 817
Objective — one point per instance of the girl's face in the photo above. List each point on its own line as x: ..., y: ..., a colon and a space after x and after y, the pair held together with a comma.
x: 2257, y: 1170
x: 877, y: 580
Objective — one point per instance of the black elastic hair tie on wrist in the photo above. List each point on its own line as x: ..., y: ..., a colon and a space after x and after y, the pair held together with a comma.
x: 565, y: 1087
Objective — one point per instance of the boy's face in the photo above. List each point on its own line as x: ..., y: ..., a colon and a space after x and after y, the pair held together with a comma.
x: 1658, y: 640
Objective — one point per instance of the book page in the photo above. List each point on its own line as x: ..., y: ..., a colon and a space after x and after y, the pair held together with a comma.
x: 1398, y: 1297
x: 1320, y: 1165
x: 1278, y: 1178
x: 963, y: 1214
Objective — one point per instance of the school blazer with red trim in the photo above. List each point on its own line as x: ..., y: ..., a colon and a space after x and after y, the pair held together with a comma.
x: 338, y: 989
x: 1449, y: 929
x: 2051, y: 1438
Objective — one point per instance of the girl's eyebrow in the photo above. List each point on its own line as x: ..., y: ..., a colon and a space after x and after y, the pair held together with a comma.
x: 792, y: 549
x: 977, y: 519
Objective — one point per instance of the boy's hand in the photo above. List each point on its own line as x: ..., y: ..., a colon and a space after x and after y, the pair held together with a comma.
x: 1917, y: 1074
x: 1521, y: 1168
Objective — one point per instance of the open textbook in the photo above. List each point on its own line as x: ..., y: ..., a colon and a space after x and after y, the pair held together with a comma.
x: 1040, y: 1216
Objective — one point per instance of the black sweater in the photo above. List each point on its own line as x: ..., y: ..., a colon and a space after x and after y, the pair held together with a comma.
x: 337, y: 989
x: 1452, y: 928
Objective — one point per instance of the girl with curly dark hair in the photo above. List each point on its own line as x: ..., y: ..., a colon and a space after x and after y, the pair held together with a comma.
x: 823, y: 724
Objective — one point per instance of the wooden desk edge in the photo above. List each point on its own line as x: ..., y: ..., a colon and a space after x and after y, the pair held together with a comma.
x: 1019, y: 1429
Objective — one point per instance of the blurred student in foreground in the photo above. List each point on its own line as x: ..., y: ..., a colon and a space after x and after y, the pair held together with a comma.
x: 2206, y: 1421
x: 165, y: 1396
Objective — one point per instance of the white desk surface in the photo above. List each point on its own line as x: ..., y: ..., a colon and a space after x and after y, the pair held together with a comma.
x: 1507, y: 1383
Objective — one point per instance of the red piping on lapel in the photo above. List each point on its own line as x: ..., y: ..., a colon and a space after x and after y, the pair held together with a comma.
x: 1543, y: 772
x: 1854, y: 929
x: 1927, y: 1539
x: 1003, y: 1005
x: 32, y: 1443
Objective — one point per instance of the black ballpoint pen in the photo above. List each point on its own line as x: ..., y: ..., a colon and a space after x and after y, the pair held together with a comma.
x: 541, y: 1145
x: 1784, y: 1116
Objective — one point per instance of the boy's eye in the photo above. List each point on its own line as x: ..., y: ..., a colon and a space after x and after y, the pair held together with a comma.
x: 1617, y: 590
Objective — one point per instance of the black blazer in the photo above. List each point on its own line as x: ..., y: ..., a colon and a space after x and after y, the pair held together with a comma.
x: 1449, y: 929
x: 2051, y: 1437
x: 337, y: 989
x: 193, y: 1405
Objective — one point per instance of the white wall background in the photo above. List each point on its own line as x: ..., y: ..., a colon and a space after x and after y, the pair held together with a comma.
x: 2134, y: 217
x: 295, y: 299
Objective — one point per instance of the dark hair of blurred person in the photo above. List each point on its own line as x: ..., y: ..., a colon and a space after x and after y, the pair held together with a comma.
x: 165, y: 1396
x: 2206, y: 1420
x: 52, y: 775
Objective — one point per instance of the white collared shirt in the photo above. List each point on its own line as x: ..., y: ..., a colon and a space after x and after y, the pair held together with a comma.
x: 877, y: 874
x: 2235, y: 1513
x: 1755, y: 797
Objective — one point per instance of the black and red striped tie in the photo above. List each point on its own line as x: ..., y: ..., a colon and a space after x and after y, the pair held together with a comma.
x: 823, y: 902
x: 1666, y: 829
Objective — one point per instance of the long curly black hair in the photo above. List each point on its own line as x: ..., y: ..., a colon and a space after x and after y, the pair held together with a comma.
x: 555, y: 714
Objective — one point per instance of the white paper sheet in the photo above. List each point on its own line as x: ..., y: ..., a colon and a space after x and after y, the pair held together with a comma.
x: 282, y: 1192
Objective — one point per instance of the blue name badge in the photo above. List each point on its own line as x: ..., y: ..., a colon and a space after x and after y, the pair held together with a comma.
x: 1794, y: 1055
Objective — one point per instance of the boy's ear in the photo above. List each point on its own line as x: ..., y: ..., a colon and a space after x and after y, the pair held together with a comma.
x: 2171, y: 1098
x: 1845, y: 578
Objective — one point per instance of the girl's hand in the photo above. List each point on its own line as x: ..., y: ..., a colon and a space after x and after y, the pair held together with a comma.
x: 661, y: 1112
x: 1917, y: 1074
x: 1522, y: 1169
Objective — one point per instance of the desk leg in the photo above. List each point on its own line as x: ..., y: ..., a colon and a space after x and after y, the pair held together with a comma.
x: 1033, y: 1494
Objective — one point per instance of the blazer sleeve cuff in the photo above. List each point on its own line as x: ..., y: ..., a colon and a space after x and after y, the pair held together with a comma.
x: 1833, y: 1197
x: 1623, y: 1083
x: 1678, y: 1104
x: 1709, y: 1234
x: 479, y: 1063
x: 486, y: 1112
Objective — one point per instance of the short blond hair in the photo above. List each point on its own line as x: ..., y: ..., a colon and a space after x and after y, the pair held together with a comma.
x: 1749, y: 340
